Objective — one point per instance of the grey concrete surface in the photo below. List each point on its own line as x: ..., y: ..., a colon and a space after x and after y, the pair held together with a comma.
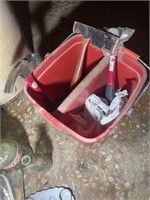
x: 117, y: 168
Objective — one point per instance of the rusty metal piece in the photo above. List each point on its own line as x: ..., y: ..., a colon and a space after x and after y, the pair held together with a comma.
x: 100, y: 38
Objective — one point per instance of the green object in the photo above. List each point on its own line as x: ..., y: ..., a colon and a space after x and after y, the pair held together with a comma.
x: 40, y: 162
x: 14, y: 156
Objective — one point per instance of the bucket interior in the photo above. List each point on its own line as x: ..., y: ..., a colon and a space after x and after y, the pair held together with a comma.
x: 54, y: 74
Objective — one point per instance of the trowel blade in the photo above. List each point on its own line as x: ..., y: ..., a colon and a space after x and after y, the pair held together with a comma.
x: 100, y: 38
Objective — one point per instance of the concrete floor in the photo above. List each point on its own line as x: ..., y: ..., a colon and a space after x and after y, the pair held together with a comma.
x: 118, y: 166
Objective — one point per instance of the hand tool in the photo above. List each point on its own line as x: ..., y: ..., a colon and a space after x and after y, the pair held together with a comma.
x: 104, y: 40
x: 23, y: 68
x: 124, y: 34
x: 108, y: 39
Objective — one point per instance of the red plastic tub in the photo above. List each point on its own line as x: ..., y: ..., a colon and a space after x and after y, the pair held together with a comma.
x: 53, y: 76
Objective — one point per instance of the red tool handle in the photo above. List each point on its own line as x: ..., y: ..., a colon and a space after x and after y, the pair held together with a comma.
x: 110, y: 87
x: 78, y: 70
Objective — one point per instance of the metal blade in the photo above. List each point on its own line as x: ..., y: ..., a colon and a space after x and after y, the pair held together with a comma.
x: 100, y: 38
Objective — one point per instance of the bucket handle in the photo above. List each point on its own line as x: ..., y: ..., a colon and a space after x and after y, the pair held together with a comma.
x: 145, y: 87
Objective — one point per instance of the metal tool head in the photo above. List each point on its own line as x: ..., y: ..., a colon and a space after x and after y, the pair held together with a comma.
x: 124, y: 33
x: 100, y: 38
x: 23, y: 68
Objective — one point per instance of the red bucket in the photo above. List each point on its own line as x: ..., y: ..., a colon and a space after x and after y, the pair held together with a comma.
x: 54, y: 74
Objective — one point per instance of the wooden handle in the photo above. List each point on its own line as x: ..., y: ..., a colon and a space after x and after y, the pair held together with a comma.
x: 78, y: 70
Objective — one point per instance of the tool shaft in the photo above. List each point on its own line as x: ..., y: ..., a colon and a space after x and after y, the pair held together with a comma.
x: 79, y: 68
x: 110, y: 87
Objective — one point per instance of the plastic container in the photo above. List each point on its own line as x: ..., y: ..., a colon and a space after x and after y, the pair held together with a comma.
x: 55, y: 101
